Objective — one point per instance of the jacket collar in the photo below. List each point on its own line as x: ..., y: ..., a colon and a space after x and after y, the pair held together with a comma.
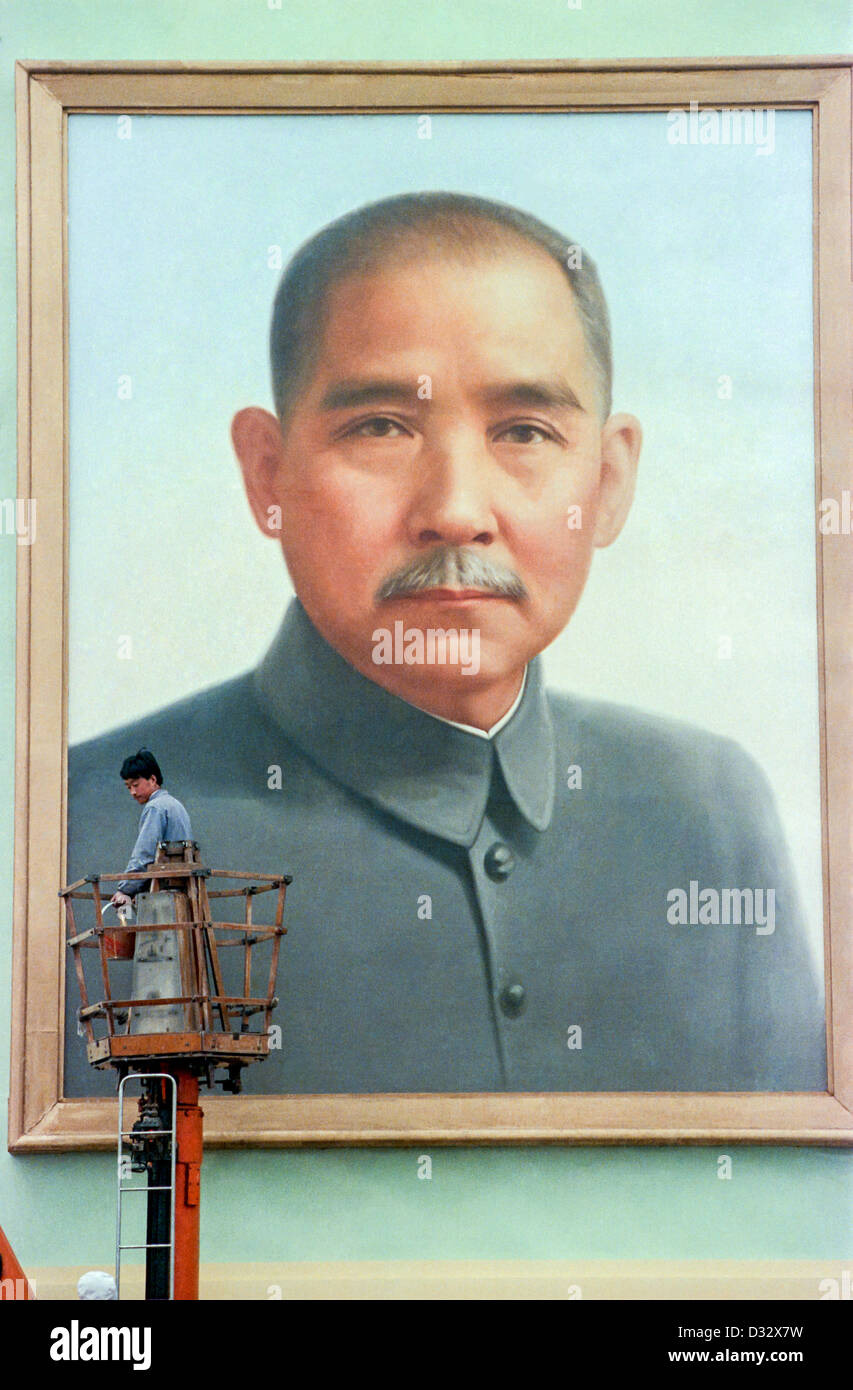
x: 423, y: 770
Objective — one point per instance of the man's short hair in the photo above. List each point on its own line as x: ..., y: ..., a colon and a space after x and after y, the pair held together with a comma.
x: 395, y: 230
x: 141, y: 764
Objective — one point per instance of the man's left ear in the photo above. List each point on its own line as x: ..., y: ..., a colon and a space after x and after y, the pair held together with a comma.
x: 621, y: 439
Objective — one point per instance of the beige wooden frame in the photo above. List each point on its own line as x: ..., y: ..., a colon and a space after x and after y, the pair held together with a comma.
x: 40, y: 1118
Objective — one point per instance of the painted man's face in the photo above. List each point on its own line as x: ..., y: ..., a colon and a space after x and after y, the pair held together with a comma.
x: 452, y: 415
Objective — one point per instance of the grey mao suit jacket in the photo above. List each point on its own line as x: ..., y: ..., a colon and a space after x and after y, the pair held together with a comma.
x: 461, y: 918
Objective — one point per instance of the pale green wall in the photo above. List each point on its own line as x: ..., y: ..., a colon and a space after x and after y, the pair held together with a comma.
x: 351, y: 1204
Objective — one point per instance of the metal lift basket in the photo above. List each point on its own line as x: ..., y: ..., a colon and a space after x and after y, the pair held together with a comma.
x: 180, y: 1008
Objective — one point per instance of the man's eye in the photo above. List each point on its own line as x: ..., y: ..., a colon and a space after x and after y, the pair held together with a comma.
x: 525, y: 434
x: 377, y: 427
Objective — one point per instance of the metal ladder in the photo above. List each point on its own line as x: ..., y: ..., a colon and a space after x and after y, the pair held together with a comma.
x: 139, y: 1138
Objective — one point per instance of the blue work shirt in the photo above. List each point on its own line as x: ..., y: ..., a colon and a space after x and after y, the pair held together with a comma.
x: 163, y: 818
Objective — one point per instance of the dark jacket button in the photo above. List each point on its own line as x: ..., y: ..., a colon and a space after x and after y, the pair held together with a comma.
x: 512, y: 999
x: 499, y: 861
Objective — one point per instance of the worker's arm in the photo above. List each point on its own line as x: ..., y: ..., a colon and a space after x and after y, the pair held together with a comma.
x: 152, y: 824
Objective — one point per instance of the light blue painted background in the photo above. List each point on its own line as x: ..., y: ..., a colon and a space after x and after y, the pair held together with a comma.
x: 347, y: 1204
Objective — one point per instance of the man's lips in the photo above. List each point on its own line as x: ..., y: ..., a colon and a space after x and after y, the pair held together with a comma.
x: 450, y: 595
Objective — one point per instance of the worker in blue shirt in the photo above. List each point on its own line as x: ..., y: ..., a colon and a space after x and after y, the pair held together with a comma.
x: 163, y: 818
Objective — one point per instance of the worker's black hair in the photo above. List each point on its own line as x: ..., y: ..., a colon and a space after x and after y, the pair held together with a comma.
x: 141, y: 764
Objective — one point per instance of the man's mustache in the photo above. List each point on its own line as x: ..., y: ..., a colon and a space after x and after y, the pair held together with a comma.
x: 452, y: 567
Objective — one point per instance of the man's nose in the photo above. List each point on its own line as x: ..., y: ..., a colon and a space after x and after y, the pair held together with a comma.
x: 452, y: 503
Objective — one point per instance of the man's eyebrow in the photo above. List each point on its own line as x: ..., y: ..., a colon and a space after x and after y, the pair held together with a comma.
x: 553, y: 394
x: 344, y: 395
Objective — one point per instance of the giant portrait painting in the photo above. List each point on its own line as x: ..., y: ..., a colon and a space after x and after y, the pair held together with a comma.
x: 452, y: 520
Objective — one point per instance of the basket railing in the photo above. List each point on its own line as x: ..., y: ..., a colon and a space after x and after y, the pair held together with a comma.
x: 210, y: 1011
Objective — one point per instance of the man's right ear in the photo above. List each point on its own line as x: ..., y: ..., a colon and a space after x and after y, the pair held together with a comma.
x: 256, y: 436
